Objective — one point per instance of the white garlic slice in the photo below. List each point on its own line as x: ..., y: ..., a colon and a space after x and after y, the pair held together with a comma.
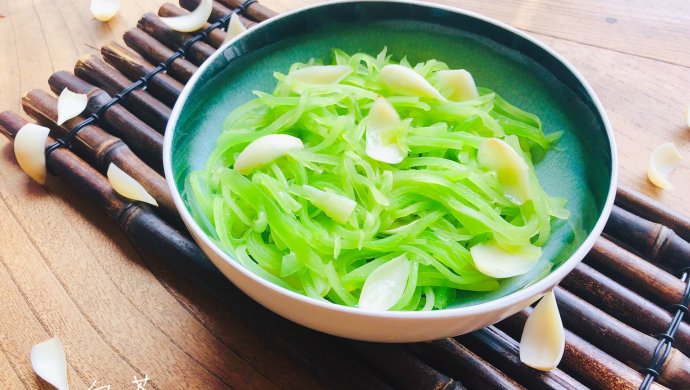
x: 321, y: 74
x: 235, y: 28
x: 127, y: 186
x: 543, y: 339
x: 382, y: 119
x: 29, y: 148
x: 406, y: 81
x: 511, y: 169
x: 664, y: 159
x: 70, y: 104
x: 104, y: 10
x: 265, y: 149
x: 493, y: 260
x: 192, y: 21
x: 335, y: 206
x: 49, y: 362
x: 459, y: 84
x: 385, y: 285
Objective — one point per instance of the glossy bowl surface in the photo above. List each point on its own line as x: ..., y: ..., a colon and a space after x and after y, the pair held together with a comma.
x: 528, y: 74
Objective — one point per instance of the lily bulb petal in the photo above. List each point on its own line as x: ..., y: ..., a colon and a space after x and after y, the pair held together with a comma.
x: 264, y: 150
x: 383, y: 118
x: 70, y: 105
x: 127, y: 186
x: 543, y: 338
x: 104, y: 10
x: 235, y: 28
x: 385, y: 285
x: 498, y: 262
x: 29, y: 148
x: 321, y: 74
x: 458, y: 83
x: 512, y: 171
x: 664, y: 159
x: 192, y: 21
x: 335, y: 206
x: 49, y: 362
x: 406, y: 81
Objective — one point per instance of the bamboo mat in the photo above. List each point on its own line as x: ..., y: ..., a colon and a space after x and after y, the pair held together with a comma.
x: 623, y: 307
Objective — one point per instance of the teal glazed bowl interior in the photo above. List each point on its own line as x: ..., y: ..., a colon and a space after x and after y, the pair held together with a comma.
x: 581, y: 167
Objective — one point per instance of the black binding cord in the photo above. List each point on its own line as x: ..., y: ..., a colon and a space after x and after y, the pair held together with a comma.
x: 142, y: 82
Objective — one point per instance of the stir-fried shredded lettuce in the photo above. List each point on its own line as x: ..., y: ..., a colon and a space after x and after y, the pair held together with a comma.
x: 288, y: 221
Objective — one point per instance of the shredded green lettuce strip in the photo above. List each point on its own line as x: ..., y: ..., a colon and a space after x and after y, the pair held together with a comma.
x: 433, y: 206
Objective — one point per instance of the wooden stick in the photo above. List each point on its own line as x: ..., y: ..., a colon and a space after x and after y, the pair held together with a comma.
x: 654, y: 241
x: 162, y: 86
x: 652, y: 210
x: 100, y: 148
x: 151, y: 24
x: 142, y: 139
x: 255, y: 11
x: 219, y: 10
x: 139, y: 102
x: 456, y: 360
x: 215, y: 38
x: 597, y: 368
x: 637, y: 273
x: 156, y: 52
x: 622, y: 303
x: 502, y: 351
x: 146, y: 230
x: 618, y: 339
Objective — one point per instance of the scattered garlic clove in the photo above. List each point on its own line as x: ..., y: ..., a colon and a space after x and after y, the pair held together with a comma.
x: 383, y: 118
x: 385, y: 285
x: 321, y: 74
x: 104, y: 10
x: 265, y: 149
x: 335, y: 206
x: 495, y: 261
x: 235, y: 28
x: 49, y: 362
x: 406, y: 81
x: 70, y: 104
x: 126, y: 186
x: 192, y: 21
x: 543, y: 338
x: 664, y: 159
x: 29, y: 148
x: 459, y: 83
x: 512, y: 171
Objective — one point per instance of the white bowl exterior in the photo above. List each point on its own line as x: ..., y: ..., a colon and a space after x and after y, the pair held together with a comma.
x: 358, y: 324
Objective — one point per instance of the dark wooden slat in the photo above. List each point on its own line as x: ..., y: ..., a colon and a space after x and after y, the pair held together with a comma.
x: 652, y: 210
x: 219, y: 10
x: 156, y: 53
x: 256, y: 11
x: 152, y: 25
x: 215, y: 38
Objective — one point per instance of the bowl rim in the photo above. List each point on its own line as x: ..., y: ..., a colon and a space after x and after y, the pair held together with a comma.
x: 525, y: 293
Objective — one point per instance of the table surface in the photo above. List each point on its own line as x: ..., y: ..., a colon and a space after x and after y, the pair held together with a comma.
x: 69, y: 271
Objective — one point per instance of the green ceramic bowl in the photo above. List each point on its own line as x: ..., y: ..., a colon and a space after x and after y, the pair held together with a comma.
x: 582, y: 167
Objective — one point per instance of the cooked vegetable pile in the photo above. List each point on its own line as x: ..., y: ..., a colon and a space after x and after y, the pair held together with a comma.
x: 378, y: 184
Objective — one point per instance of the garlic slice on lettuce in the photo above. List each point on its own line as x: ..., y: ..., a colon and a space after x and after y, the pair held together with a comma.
x: 127, y: 186
x: 511, y: 169
x: 664, y: 159
x: 321, y: 74
x: 192, y: 21
x: 265, y: 149
x: 104, y: 10
x: 335, y: 206
x: 406, y: 81
x: 543, y: 338
x: 48, y: 361
x: 382, y: 142
x: 385, y: 285
x: 458, y: 83
x: 29, y: 149
x: 493, y: 260
x: 70, y: 104
x: 235, y: 28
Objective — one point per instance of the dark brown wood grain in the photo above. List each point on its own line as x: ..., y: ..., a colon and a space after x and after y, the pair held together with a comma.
x: 215, y: 38
x: 156, y: 52
x: 650, y: 209
x: 255, y: 11
x: 140, y: 137
x: 152, y: 25
x: 219, y: 10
